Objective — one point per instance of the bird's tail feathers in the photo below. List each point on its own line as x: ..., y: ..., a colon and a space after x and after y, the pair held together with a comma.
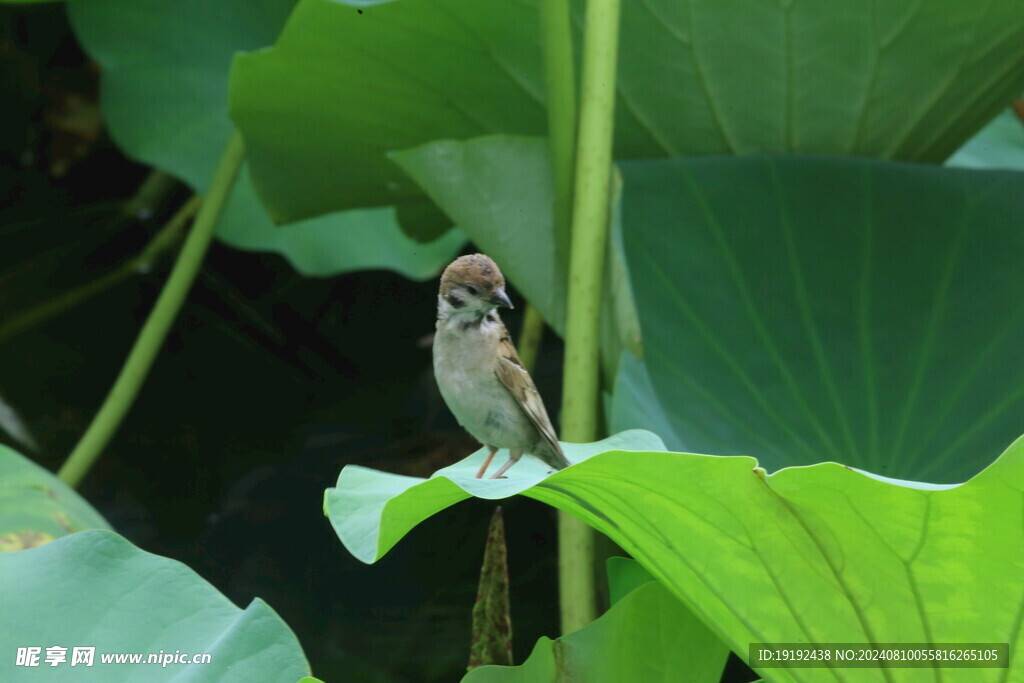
x: 558, y: 460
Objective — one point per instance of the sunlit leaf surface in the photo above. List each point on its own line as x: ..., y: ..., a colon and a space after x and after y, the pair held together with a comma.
x: 808, y: 554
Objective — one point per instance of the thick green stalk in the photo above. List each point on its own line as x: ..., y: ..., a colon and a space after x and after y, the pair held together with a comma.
x: 586, y: 266
x: 158, y: 324
x: 575, y: 541
x: 560, y: 82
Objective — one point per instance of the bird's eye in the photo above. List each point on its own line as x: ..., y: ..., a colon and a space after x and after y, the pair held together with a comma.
x: 472, y: 289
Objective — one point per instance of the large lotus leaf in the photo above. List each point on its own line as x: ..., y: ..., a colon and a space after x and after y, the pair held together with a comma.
x: 95, y: 589
x: 1000, y: 144
x: 646, y: 635
x: 37, y: 507
x: 363, y: 505
x: 808, y: 554
x: 164, y: 98
x: 810, y: 309
x: 909, y: 79
x: 499, y: 189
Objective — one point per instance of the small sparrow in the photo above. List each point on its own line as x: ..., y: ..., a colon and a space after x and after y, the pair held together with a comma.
x: 480, y: 376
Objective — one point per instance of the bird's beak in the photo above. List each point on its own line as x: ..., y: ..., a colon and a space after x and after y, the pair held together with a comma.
x: 500, y: 298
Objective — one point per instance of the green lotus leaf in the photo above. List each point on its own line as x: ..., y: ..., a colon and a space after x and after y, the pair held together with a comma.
x: 499, y: 189
x: 624, y: 576
x: 809, y: 554
x: 95, y: 589
x: 808, y: 309
x: 346, y: 83
x: 37, y: 507
x: 362, y: 506
x: 360, y: 239
x: 634, y: 404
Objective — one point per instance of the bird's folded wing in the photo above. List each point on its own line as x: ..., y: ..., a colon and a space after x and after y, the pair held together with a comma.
x: 517, y: 380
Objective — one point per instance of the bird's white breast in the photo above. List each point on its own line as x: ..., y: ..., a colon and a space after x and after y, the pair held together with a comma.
x: 464, y: 365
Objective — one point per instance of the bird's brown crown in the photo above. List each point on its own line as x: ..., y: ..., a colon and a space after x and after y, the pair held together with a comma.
x: 473, y: 269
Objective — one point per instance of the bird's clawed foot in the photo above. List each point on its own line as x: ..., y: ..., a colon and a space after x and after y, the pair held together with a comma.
x: 483, y: 468
x: 513, y: 459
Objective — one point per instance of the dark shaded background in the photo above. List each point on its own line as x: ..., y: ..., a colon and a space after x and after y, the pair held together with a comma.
x: 268, y: 384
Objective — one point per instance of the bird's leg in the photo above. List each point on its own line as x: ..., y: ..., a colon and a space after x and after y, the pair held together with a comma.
x: 483, y: 468
x: 513, y: 459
